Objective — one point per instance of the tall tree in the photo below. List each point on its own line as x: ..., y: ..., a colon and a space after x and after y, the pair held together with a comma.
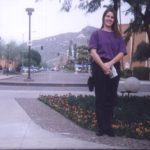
x: 89, y: 6
x: 35, y: 58
x: 10, y: 51
x: 139, y: 8
x: 2, y: 49
x: 83, y: 55
x: 141, y: 12
x: 142, y: 52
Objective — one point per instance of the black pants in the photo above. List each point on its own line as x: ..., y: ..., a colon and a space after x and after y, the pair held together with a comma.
x: 106, y: 94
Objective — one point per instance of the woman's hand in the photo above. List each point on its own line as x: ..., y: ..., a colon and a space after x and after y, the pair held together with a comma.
x: 106, y: 68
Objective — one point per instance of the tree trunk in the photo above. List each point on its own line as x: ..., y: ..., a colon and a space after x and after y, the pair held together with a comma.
x: 148, y: 33
x: 116, y: 4
x: 132, y: 50
x: 147, y: 20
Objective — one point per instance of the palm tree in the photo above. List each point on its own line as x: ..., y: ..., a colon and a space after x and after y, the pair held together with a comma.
x: 139, y: 8
x: 141, y: 12
x: 142, y: 52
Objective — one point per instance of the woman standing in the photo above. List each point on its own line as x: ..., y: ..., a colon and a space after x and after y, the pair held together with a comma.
x: 106, y: 48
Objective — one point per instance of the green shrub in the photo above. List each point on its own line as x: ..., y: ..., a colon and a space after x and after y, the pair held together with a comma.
x: 131, y: 115
x: 142, y: 73
x: 126, y: 73
x: 86, y: 102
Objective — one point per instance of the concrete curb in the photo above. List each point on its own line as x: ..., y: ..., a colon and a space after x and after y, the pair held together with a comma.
x: 34, y: 83
x: 44, y: 84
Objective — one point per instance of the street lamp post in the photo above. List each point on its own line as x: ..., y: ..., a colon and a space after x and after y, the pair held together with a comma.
x: 29, y: 11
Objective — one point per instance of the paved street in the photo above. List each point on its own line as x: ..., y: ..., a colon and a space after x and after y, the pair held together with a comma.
x: 49, y: 77
x: 58, y: 81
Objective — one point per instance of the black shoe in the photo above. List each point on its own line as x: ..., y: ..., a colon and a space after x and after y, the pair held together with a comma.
x: 110, y: 133
x: 100, y: 133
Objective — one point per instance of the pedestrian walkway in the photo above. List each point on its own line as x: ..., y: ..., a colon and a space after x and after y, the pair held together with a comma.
x: 18, y: 131
x: 3, y: 77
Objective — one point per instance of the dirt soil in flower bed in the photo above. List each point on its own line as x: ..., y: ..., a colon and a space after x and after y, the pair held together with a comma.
x: 53, y: 121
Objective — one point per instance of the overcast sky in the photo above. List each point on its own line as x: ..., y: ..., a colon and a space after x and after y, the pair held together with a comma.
x: 46, y: 20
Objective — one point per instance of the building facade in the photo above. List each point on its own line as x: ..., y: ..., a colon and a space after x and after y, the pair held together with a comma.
x: 132, y: 44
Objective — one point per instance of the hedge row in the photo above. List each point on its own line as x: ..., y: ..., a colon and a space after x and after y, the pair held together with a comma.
x: 131, y: 115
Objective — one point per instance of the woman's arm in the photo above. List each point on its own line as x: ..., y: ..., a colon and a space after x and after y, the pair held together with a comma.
x: 98, y: 60
x: 116, y: 59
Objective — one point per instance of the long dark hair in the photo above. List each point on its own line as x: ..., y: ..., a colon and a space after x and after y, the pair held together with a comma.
x: 115, y: 24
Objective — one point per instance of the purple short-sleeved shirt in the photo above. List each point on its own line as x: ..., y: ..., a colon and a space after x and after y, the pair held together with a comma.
x: 106, y: 44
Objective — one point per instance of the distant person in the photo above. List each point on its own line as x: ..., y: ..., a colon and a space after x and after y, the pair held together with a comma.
x: 107, y: 48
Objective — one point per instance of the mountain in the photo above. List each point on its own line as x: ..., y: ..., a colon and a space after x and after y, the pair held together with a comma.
x: 59, y: 44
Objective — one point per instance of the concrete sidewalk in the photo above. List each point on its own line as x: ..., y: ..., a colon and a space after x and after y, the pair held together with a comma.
x: 18, y: 131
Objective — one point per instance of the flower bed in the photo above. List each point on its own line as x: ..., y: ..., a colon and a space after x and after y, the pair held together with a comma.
x: 131, y: 115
